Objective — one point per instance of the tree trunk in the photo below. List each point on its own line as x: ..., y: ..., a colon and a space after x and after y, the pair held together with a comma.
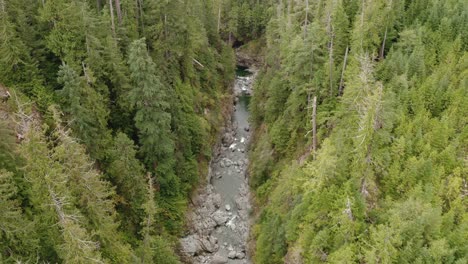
x: 340, y: 89
x: 331, y: 65
x: 306, y: 20
x: 111, y: 10
x: 382, y: 49
x: 362, y: 21
x: 219, y: 17
x: 118, y: 9
x: 330, y: 51
x: 141, y: 15
x: 98, y: 5
x: 314, y: 126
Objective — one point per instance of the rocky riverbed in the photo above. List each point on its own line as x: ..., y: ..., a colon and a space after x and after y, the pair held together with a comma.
x: 219, y: 220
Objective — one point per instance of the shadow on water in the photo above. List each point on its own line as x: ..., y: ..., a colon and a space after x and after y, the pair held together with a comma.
x: 242, y: 71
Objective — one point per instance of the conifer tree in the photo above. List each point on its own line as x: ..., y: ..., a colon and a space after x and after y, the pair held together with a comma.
x: 87, y: 114
x: 18, y: 240
x: 7, y: 147
x: 153, y: 249
x: 152, y: 118
x: 63, y: 236
x: 127, y: 173
x: 94, y: 197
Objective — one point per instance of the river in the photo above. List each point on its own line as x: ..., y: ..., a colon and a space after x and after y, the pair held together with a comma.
x: 219, y: 220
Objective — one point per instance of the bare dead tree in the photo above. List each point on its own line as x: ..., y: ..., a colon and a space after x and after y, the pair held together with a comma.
x: 141, y: 14
x: 118, y: 9
x: 65, y: 220
x: 2, y: 5
x: 363, y: 8
x: 348, y: 211
x: 313, y: 120
x: 219, y: 15
x: 111, y: 10
x: 340, y: 89
x: 198, y: 63
x: 306, y: 20
x: 331, y: 34
x: 331, y: 61
x: 85, y: 72
x: 314, y: 126
x: 23, y: 122
x: 382, y: 48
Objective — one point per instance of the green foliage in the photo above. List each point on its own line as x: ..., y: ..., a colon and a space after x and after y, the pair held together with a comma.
x: 130, y: 107
x: 127, y: 174
x: 83, y: 104
x: 385, y: 184
x: 19, y: 241
x: 245, y: 20
x: 152, y: 249
x: 7, y: 146
x: 152, y: 118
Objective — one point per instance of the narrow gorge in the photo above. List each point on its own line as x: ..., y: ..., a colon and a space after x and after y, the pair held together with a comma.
x: 219, y: 220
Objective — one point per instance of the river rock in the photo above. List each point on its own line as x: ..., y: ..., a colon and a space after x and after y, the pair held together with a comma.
x: 240, y: 255
x: 232, y: 254
x: 220, y: 217
x: 219, y: 259
x: 191, y: 245
x: 209, y: 244
x: 217, y: 200
x: 227, y: 207
x: 227, y: 139
x: 226, y: 163
x: 206, y: 225
x: 242, y: 203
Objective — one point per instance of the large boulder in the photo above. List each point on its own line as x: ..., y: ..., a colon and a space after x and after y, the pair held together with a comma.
x: 219, y: 259
x: 217, y: 200
x: 220, y: 217
x: 209, y: 244
x: 190, y: 245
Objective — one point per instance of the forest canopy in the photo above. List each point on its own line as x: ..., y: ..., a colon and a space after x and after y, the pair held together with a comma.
x: 109, y: 111
x: 374, y: 170
x: 107, y: 127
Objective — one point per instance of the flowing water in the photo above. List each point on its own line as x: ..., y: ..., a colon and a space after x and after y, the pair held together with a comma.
x: 219, y: 219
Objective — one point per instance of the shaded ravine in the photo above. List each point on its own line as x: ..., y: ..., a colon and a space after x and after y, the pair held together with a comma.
x: 219, y: 219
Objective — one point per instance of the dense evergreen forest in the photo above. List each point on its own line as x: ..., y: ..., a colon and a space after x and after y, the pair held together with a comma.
x: 109, y: 110
x: 361, y: 145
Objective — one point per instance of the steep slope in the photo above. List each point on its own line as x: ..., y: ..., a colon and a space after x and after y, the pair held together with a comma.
x: 128, y: 94
x: 361, y: 133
